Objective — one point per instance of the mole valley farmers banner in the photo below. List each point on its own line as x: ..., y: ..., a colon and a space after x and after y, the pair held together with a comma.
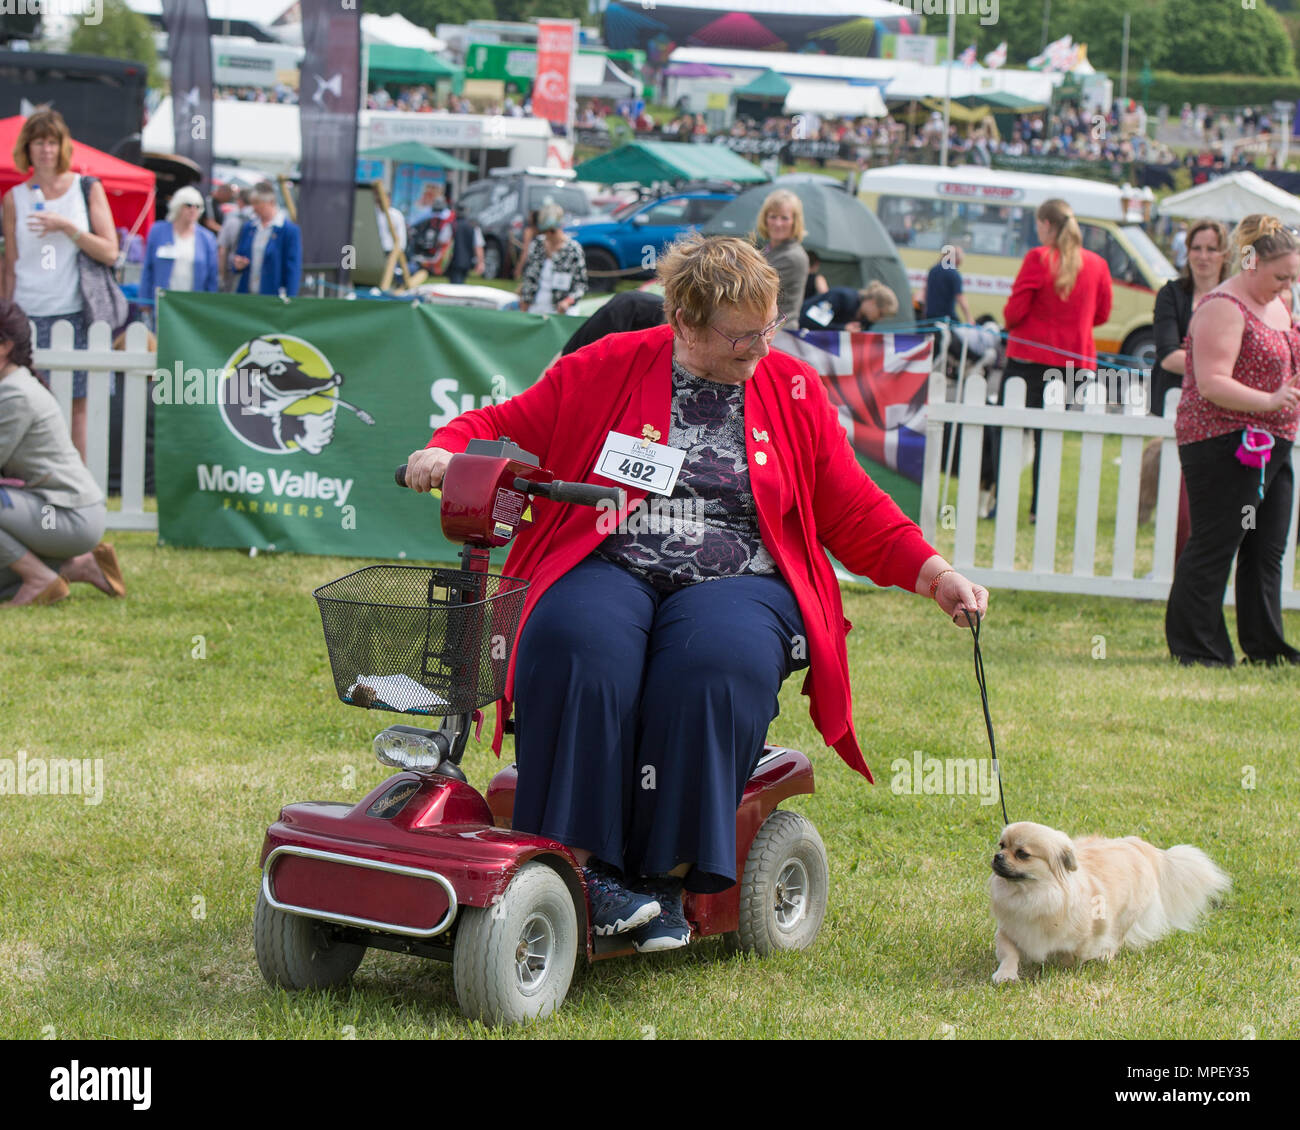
x: 279, y: 425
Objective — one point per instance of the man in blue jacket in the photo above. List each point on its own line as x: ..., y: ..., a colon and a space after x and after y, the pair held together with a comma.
x: 269, y: 250
x: 845, y: 308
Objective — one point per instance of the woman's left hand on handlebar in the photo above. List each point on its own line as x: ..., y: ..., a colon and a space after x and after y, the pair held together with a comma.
x: 955, y: 593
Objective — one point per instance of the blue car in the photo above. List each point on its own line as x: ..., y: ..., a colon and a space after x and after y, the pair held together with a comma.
x: 632, y: 240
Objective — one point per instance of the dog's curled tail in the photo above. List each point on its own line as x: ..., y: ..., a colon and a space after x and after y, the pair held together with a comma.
x: 1189, y: 883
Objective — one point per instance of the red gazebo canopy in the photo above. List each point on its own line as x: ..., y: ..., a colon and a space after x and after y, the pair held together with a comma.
x: 130, y: 188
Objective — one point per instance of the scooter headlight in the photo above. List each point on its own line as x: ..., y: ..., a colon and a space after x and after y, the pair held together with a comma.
x: 405, y: 747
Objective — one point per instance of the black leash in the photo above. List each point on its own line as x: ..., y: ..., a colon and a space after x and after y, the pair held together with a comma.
x: 973, y: 621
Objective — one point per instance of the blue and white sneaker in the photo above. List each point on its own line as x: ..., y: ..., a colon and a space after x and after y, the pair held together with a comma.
x: 615, y: 909
x: 670, y: 930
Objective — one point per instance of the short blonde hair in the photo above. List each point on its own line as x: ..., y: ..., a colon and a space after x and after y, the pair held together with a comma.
x: 40, y: 125
x: 885, y: 299
x: 774, y: 200
x: 702, y: 273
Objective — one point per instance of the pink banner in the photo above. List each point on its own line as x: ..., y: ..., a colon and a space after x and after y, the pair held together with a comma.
x: 553, y: 88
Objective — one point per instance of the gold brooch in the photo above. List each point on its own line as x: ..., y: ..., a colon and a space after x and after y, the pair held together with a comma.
x: 761, y: 458
x: 651, y: 433
x: 761, y: 437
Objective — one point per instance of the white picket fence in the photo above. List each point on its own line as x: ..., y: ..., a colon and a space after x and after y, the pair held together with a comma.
x: 1093, y: 424
x: 137, y: 362
x: 134, y: 364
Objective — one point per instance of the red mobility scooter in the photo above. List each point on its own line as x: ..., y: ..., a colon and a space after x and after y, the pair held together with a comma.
x: 427, y: 865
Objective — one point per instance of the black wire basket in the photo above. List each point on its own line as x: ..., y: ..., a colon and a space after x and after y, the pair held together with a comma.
x: 418, y: 640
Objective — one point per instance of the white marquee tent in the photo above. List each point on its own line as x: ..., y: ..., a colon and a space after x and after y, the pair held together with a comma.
x: 1231, y: 198
x: 835, y: 100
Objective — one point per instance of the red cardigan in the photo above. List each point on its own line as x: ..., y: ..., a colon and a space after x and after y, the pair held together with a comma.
x: 1035, y: 313
x: 809, y: 489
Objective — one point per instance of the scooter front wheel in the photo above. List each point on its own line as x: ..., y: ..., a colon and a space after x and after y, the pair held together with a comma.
x: 513, y: 961
x: 294, y: 952
x: 784, y: 891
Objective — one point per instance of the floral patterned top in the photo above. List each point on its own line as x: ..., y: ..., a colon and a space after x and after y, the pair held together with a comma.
x: 1267, y: 359
x: 568, y: 264
x: 708, y: 529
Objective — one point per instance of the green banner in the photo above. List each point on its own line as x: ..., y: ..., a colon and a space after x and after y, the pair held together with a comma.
x: 279, y: 424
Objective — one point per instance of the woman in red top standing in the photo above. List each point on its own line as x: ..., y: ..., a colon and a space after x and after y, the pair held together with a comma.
x: 1061, y: 292
x: 1240, y: 407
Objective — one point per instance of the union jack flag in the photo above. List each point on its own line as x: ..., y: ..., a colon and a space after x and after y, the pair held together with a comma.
x: 878, y: 384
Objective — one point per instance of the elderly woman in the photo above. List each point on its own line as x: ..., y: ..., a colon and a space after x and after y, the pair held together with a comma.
x: 555, y: 272
x: 653, y: 647
x: 779, y: 231
x: 48, y: 220
x: 181, y: 253
x: 1241, y: 394
x: 42, y: 477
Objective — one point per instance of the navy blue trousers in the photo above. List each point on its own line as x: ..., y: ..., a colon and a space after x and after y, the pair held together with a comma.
x: 641, y: 715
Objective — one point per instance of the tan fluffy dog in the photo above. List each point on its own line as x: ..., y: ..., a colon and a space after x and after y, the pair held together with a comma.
x: 1084, y: 899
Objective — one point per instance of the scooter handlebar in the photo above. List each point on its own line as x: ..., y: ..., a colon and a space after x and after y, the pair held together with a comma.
x: 576, y: 494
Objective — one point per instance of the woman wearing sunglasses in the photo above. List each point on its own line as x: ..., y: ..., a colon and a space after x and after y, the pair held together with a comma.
x: 655, y: 640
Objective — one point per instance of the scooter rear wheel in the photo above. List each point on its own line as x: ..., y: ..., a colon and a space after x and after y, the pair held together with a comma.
x: 514, y: 960
x: 294, y: 952
x: 785, y: 887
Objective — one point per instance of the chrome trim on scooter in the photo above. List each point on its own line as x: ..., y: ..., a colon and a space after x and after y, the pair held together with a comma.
x: 769, y: 754
x: 369, y: 864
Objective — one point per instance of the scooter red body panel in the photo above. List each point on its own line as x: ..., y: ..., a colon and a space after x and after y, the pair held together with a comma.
x: 781, y: 773
x: 404, y: 858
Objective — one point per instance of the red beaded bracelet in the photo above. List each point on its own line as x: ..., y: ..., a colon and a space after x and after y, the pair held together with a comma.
x: 934, y: 584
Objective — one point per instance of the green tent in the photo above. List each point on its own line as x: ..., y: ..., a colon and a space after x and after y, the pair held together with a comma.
x: 1000, y: 100
x: 406, y: 65
x: 959, y: 112
x: 853, y: 245
x: 767, y: 85
x: 416, y: 153
x: 650, y: 162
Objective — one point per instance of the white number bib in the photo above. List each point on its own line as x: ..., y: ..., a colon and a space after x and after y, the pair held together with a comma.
x: 652, y: 467
x: 821, y: 313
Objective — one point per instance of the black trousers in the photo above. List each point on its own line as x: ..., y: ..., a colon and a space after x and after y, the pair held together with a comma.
x: 1229, y: 518
x: 1035, y: 383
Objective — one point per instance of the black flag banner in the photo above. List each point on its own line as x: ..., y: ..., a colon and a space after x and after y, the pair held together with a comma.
x: 329, y: 95
x: 190, y: 51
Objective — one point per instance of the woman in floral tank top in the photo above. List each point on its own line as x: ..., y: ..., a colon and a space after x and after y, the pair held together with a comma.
x: 1240, y: 406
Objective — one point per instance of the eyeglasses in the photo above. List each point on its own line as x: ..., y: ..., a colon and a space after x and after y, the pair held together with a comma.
x: 739, y: 344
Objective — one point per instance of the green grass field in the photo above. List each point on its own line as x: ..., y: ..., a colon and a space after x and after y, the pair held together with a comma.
x: 207, y: 695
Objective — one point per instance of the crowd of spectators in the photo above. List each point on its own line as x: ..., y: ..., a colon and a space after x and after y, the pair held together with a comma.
x: 1072, y: 133
x: 424, y: 100
x: 280, y: 92
x: 1213, y: 126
